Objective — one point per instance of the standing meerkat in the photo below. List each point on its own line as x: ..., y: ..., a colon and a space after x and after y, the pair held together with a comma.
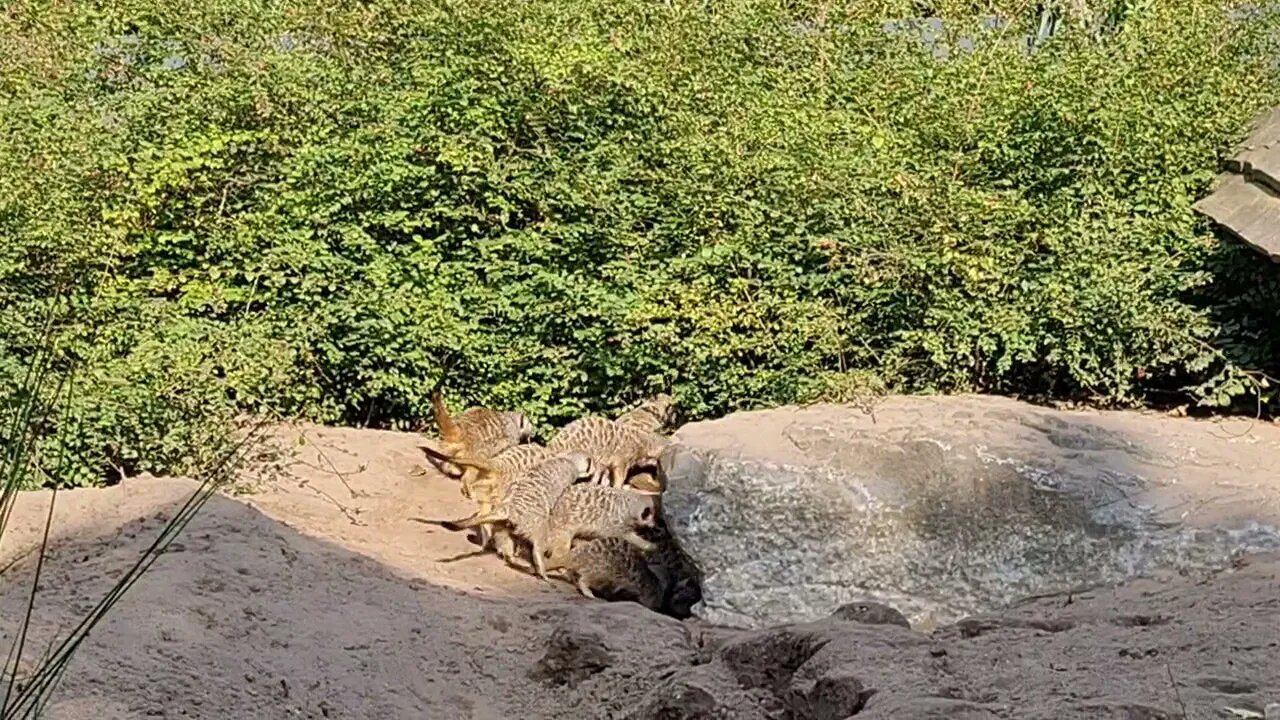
x: 597, y: 511
x: 614, y: 568
x: 616, y: 448
x: 653, y: 415
x: 490, y: 483
x: 529, y: 499
x: 478, y: 432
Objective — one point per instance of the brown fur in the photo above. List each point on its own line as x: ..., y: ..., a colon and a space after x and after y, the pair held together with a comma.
x: 477, y: 432
x: 596, y: 511
x: 614, y: 568
x: 488, y: 487
x: 616, y: 448
x: 654, y: 415
x: 529, y: 499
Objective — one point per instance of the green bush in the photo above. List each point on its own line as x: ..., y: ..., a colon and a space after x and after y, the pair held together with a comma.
x: 322, y: 211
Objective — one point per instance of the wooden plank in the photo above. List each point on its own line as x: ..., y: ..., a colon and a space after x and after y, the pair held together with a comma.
x: 1264, y: 136
x: 1248, y: 211
x: 1264, y: 168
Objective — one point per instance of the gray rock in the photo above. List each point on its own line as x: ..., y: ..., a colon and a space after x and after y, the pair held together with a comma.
x: 699, y: 693
x: 836, y: 695
x: 950, y: 506
x: 927, y: 708
x: 590, y: 639
x: 573, y: 654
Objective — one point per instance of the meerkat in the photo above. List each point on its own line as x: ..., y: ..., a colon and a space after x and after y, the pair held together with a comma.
x: 654, y: 414
x: 488, y: 486
x: 493, y: 473
x: 527, y: 504
x: 596, y: 511
x: 478, y: 432
x: 614, y: 568
x: 616, y: 448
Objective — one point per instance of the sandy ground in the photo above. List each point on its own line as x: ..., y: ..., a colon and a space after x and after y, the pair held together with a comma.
x: 313, y: 596
x: 317, y: 597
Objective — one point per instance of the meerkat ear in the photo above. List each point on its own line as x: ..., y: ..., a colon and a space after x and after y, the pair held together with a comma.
x: 646, y: 513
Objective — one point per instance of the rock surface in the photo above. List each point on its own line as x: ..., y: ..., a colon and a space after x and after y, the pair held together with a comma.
x: 949, y: 506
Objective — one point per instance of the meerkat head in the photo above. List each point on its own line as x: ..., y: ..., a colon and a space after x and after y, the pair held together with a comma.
x: 523, y: 425
x: 663, y: 407
x: 583, y: 464
x: 645, y: 512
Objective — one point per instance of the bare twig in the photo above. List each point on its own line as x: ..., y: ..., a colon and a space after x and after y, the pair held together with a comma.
x: 1176, y: 694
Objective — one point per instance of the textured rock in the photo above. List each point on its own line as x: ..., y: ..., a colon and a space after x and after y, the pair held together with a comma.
x: 870, y: 612
x: 950, y: 506
x: 700, y: 693
x: 929, y: 708
x: 588, y: 640
x: 835, y: 695
x: 1147, y: 649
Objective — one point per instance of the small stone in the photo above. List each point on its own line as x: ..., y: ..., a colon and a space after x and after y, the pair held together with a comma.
x: 573, y: 654
x: 835, y: 695
x: 869, y: 612
x: 677, y: 700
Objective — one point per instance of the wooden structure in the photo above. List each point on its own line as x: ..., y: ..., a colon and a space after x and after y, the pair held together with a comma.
x: 1247, y: 200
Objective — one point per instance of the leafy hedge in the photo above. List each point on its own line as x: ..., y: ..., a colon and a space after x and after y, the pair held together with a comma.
x: 322, y: 209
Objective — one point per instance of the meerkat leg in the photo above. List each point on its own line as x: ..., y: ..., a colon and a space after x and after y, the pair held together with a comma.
x: 618, y: 475
x: 485, y: 530
x: 582, y: 587
x: 505, y: 546
x: 538, y: 565
x: 556, y: 559
x: 447, y: 467
x: 469, y: 477
x: 600, y: 476
x: 635, y: 539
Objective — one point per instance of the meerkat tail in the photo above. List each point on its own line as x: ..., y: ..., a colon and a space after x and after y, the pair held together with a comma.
x: 449, y: 431
x: 479, y: 464
x: 465, y: 523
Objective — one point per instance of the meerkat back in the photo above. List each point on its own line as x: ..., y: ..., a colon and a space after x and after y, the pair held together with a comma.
x: 591, y: 434
x: 614, y: 568
x: 488, y: 432
x: 532, y: 494
x: 479, y: 431
x: 492, y: 485
x: 595, y: 511
x: 654, y: 414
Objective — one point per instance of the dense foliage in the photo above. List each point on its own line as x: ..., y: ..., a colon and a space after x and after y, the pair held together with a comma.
x: 323, y: 209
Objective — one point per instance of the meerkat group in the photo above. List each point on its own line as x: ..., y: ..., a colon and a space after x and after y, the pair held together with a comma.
x: 587, y: 504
